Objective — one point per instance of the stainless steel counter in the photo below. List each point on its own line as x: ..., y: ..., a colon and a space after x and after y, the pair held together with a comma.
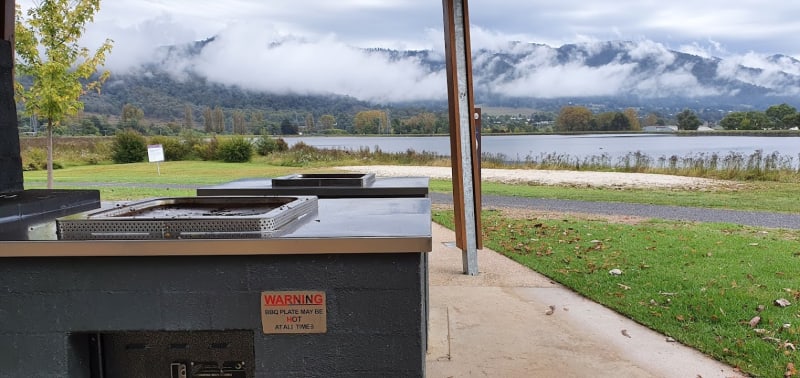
x: 382, y: 187
x: 346, y: 225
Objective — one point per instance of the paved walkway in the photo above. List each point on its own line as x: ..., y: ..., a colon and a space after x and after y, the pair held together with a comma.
x: 496, y: 325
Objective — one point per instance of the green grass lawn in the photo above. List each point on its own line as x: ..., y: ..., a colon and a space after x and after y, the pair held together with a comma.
x: 698, y: 283
x: 757, y: 196
x: 751, y: 196
x: 172, y: 173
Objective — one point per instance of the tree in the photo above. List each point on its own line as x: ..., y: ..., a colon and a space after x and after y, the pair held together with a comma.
x: 218, y: 120
x: 310, y: 126
x: 287, y: 127
x: 327, y: 121
x: 257, y: 121
x: 371, y: 122
x: 687, y: 120
x: 633, y: 119
x: 208, y: 119
x: 188, y: 117
x: 745, y: 121
x: 64, y: 72
x: 239, y: 126
x: 573, y: 118
x: 620, y: 122
x: 131, y: 116
x: 779, y: 115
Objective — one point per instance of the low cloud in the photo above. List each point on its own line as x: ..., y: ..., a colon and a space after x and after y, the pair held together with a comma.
x: 276, y: 59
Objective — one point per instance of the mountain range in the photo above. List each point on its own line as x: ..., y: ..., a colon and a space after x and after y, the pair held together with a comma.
x: 294, y: 75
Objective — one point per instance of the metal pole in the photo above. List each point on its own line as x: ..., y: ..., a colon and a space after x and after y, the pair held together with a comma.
x: 462, y: 140
x: 7, y: 20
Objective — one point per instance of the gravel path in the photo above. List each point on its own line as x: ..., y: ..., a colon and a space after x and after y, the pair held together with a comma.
x: 750, y: 218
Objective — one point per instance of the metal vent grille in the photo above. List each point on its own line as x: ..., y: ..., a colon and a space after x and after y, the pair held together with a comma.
x: 190, y: 218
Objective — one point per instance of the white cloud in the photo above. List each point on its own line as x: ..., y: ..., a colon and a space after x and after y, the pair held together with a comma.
x: 241, y: 57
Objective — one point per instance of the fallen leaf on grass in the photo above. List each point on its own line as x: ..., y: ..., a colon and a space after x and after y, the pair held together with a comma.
x: 782, y: 302
x: 790, y: 370
x: 754, y: 321
x: 625, y: 287
x: 551, y: 310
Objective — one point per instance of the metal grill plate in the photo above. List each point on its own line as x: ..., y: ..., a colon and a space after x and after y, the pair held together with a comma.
x: 360, y: 180
x: 191, y: 218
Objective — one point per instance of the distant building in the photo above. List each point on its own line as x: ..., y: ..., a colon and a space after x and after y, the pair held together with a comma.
x: 661, y: 129
x: 705, y: 128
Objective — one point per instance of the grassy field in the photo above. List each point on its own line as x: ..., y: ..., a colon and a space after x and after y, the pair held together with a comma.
x: 756, y: 196
x: 701, y: 284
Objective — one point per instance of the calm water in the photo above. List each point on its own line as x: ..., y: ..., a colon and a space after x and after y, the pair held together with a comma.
x: 518, y: 147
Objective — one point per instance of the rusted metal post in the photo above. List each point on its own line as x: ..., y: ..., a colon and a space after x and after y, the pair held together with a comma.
x: 7, y: 20
x: 458, y: 55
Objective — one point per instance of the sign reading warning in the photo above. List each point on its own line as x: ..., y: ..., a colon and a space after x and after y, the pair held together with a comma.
x: 294, y: 312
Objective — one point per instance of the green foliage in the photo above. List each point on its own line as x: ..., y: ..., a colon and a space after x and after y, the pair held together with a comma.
x: 688, y: 120
x: 334, y: 132
x: 235, y: 150
x: 287, y: 127
x: 371, y: 122
x: 266, y: 145
x: 781, y: 116
x: 128, y: 147
x: 47, y: 50
x: 573, y: 118
x: 34, y: 159
x: 174, y: 148
x: 207, y: 150
x: 751, y: 120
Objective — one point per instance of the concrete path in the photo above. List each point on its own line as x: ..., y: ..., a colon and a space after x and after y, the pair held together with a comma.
x: 496, y: 324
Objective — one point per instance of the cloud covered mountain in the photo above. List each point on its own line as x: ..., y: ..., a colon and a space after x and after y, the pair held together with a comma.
x: 629, y: 73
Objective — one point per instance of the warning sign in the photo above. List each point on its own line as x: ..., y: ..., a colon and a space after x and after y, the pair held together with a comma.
x: 294, y: 312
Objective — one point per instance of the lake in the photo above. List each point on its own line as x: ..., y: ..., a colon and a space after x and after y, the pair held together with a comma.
x: 518, y: 147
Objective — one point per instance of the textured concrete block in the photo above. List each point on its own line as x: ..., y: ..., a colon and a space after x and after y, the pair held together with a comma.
x: 187, y: 310
x: 374, y: 271
x: 377, y: 312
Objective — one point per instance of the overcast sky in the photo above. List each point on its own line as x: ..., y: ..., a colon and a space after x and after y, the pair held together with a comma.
x: 322, y: 31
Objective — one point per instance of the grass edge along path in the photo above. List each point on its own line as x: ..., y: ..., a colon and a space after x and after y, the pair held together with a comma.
x: 700, y: 283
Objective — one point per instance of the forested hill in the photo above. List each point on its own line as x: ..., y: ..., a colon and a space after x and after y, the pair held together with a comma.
x: 344, y: 80
x: 162, y: 97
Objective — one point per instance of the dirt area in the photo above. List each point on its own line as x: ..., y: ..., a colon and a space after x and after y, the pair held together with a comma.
x: 556, y: 177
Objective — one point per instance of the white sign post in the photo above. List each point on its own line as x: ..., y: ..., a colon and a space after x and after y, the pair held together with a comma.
x: 155, y: 153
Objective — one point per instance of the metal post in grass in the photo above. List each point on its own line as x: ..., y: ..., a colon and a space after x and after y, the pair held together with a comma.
x: 463, y: 143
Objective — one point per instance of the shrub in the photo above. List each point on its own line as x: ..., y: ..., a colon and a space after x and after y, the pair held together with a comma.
x: 282, y: 145
x: 174, y: 149
x: 128, y: 147
x: 235, y: 150
x: 207, y: 150
x: 266, y: 145
x: 34, y: 159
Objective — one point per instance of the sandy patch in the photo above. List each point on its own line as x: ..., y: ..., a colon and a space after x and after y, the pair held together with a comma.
x: 555, y: 177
